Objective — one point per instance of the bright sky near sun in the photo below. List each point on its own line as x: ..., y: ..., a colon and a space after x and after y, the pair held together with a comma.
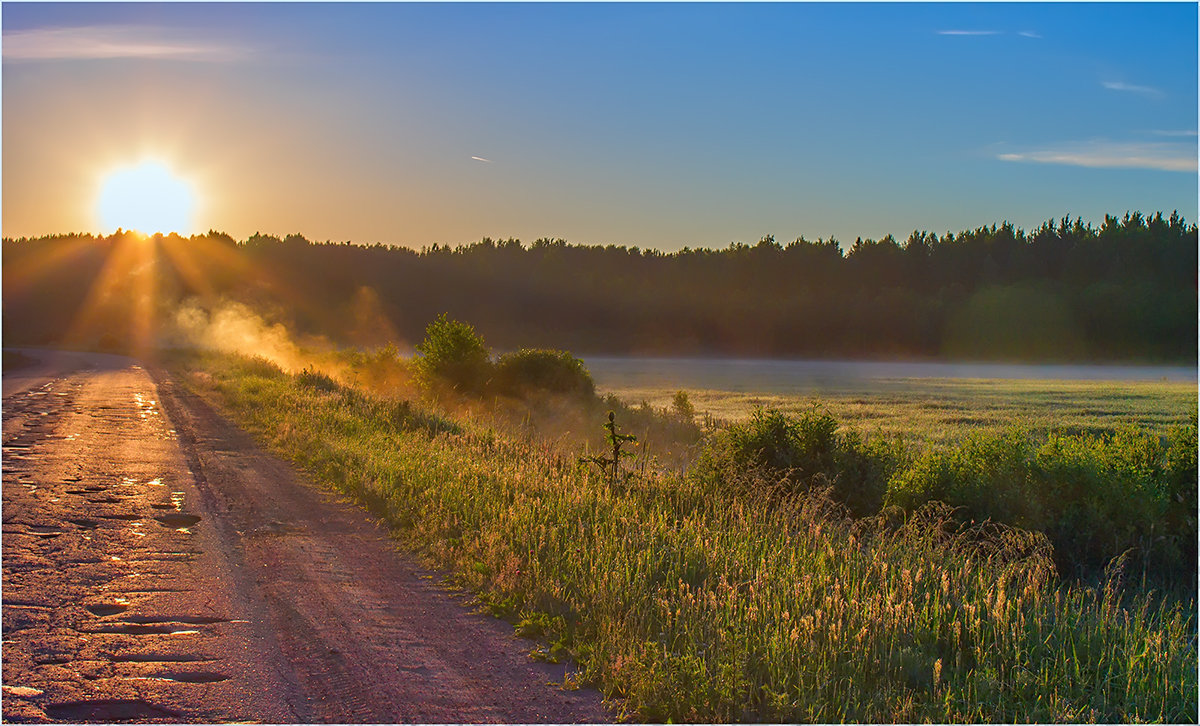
x: 659, y: 125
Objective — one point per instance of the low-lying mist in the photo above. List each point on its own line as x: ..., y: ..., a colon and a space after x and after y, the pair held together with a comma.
x: 568, y: 424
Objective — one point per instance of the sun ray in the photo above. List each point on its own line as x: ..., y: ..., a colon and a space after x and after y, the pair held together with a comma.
x: 120, y: 303
x: 202, y: 262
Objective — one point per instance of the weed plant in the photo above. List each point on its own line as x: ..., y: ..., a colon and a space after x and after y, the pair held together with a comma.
x: 689, y: 597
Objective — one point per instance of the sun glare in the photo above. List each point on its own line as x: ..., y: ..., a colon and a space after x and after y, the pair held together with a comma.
x: 148, y: 198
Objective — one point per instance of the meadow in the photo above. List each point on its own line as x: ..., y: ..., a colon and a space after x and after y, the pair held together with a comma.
x: 941, y: 410
x: 736, y: 590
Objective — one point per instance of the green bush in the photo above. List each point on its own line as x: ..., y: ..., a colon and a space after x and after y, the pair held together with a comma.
x: 1095, y: 497
x: 259, y: 366
x: 453, y: 354
x: 551, y: 371
x: 682, y: 406
x: 312, y: 378
x: 1181, y: 478
x: 801, y: 452
x: 986, y: 476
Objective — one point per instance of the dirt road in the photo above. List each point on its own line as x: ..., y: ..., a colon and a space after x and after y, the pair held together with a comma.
x: 157, y: 566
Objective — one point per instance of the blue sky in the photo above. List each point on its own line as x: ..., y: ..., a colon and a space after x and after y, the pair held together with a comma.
x: 659, y: 125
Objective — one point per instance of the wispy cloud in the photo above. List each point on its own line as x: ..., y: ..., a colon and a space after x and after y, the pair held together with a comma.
x: 1131, y: 88
x: 968, y: 32
x: 480, y: 158
x: 1101, y: 154
x: 1028, y: 34
x: 112, y: 41
x: 1168, y: 132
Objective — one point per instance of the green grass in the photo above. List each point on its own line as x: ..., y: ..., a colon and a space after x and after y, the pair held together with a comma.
x: 683, y: 601
x: 944, y: 410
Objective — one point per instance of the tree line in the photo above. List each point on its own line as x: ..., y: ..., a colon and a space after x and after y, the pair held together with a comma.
x: 1067, y: 291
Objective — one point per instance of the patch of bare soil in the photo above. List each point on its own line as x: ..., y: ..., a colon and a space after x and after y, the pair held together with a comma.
x: 159, y: 567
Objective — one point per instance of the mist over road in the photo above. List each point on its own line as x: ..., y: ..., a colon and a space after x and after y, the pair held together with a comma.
x: 158, y: 566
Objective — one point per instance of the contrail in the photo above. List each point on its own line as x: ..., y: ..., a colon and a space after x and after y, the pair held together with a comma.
x: 480, y: 158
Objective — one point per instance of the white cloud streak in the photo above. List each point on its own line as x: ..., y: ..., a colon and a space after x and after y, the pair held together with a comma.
x: 101, y: 42
x: 1028, y: 34
x: 968, y: 32
x: 1159, y: 156
x: 1173, y: 133
x: 1131, y: 88
x: 480, y: 158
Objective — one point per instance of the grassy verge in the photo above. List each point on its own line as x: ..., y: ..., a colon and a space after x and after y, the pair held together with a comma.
x: 686, y: 601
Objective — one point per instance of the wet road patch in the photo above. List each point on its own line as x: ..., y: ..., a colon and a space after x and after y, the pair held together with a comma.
x: 108, y: 710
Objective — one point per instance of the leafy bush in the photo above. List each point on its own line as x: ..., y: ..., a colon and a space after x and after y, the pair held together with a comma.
x: 312, y: 378
x: 551, y: 371
x: 1180, y: 480
x: 1095, y: 497
x: 986, y: 476
x: 383, y: 370
x: 259, y: 366
x: 682, y: 406
x: 453, y: 354
x: 806, y: 451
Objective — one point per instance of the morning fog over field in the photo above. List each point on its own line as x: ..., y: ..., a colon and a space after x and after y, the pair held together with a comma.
x: 755, y: 362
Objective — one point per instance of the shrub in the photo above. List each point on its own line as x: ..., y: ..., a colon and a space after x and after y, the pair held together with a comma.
x: 550, y: 371
x: 312, y: 378
x: 383, y: 370
x: 1181, y: 479
x: 797, y: 453
x: 986, y: 476
x: 259, y: 366
x: 1095, y: 497
x: 454, y: 354
x: 682, y: 407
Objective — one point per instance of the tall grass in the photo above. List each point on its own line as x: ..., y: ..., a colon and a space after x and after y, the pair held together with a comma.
x: 685, y: 600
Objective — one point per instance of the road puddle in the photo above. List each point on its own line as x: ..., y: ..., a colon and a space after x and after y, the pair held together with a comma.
x: 145, y: 629
x: 177, y: 520
x: 186, y: 619
x: 104, y: 609
x: 196, y: 677
x: 108, y: 710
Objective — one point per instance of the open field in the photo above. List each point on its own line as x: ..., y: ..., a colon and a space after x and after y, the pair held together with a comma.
x: 684, y: 599
x: 917, y: 408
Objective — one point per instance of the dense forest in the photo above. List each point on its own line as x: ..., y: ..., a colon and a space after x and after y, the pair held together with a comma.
x: 1123, y: 291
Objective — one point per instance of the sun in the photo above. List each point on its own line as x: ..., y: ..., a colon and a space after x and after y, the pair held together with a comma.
x: 148, y: 198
